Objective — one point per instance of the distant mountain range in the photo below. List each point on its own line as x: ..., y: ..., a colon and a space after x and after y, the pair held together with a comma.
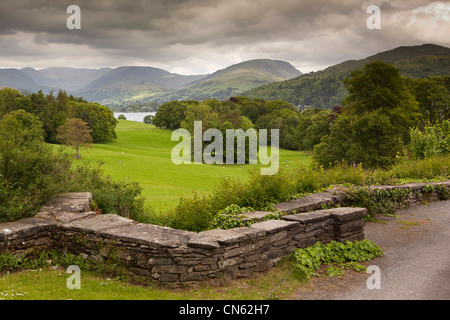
x: 133, y: 84
x: 324, y: 89
x: 263, y: 78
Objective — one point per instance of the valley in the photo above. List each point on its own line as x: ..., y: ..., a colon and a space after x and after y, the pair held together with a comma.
x: 142, y: 153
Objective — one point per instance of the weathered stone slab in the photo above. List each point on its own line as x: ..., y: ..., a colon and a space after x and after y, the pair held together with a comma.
x: 203, y: 241
x: 412, y: 186
x: 351, y: 237
x: 255, y: 215
x: 307, y: 203
x: 224, y: 236
x: 351, y: 226
x: 62, y: 217
x: 308, y: 217
x: 251, y: 233
x: 150, y: 235
x: 71, y: 202
x: 272, y: 226
x: 345, y: 214
x: 23, y: 228
x: 337, y: 193
x: 98, y: 222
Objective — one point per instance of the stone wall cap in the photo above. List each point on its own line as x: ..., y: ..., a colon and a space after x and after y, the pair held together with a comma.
x: 98, y: 222
x: 251, y: 233
x: 411, y: 185
x: 62, y: 217
x: 308, y: 217
x: 272, y: 226
x: 203, y: 241
x: 224, y: 236
x: 255, y: 215
x: 149, y: 234
x: 347, y: 213
x: 77, y: 195
x: 23, y: 228
x: 307, y: 203
x: 70, y: 202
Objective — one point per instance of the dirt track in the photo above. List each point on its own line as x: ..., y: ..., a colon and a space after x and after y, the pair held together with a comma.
x: 416, y: 262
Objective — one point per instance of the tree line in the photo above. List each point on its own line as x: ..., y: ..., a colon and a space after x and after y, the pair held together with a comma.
x: 235, y: 113
x: 374, y: 125
x: 33, y: 171
x: 371, y: 126
x: 54, y: 110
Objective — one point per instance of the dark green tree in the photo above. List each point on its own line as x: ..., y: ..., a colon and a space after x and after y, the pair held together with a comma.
x: 433, y: 96
x: 99, y: 119
x: 148, y: 119
x: 31, y: 173
x: 170, y: 114
x: 313, y: 125
x: 375, y: 120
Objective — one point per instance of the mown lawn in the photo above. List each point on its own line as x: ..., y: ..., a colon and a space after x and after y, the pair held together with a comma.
x: 142, y: 153
x: 51, y: 284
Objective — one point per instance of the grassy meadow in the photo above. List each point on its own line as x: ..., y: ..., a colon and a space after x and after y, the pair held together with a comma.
x: 142, y: 153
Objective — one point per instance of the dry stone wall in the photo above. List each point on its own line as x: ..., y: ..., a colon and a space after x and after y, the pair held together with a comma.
x: 169, y: 255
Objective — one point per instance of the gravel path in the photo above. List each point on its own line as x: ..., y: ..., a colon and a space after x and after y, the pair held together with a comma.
x: 415, y: 265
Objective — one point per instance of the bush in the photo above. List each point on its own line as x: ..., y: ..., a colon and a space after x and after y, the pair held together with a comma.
x: 262, y: 192
x: 110, y: 197
x: 230, y: 218
x: 376, y: 201
x: 192, y: 214
x: 434, y: 140
x: 429, y: 168
x: 30, y: 172
x: 347, y: 254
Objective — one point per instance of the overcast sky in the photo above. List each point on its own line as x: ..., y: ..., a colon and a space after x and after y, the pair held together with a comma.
x: 201, y: 36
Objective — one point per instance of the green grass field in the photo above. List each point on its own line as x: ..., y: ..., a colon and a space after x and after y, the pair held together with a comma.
x: 51, y: 284
x: 142, y: 153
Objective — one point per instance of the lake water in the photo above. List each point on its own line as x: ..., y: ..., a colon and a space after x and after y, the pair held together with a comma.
x: 134, y: 116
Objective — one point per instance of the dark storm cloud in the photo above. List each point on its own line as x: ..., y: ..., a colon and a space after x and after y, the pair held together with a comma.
x: 202, y: 35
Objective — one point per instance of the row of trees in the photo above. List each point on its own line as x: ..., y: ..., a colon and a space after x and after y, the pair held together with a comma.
x: 374, y: 124
x: 32, y: 172
x: 371, y: 127
x: 53, y: 111
x: 237, y: 112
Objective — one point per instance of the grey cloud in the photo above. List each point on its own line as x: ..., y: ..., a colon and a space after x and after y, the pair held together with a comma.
x: 216, y: 32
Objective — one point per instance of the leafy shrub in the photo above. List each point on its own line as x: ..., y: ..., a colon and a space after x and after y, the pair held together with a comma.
x: 113, y: 197
x: 30, y: 172
x: 443, y: 192
x: 376, y: 200
x: 265, y: 190
x: 429, y: 168
x: 310, y: 259
x: 229, y: 218
x: 262, y: 192
x: 433, y: 140
x: 193, y: 214
x: 35, y: 259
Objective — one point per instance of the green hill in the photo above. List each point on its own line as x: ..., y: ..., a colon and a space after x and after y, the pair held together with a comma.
x: 142, y: 153
x: 235, y: 80
x: 132, y: 84
x: 142, y: 85
x: 323, y: 89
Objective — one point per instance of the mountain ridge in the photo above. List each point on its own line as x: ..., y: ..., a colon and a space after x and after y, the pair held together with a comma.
x: 135, y: 84
x: 324, y: 88
x: 258, y: 78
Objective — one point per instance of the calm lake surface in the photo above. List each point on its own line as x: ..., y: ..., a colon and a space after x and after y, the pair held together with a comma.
x: 134, y: 116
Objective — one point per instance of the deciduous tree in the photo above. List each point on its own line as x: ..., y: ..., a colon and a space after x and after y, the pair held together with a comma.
x: 75, y: 133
